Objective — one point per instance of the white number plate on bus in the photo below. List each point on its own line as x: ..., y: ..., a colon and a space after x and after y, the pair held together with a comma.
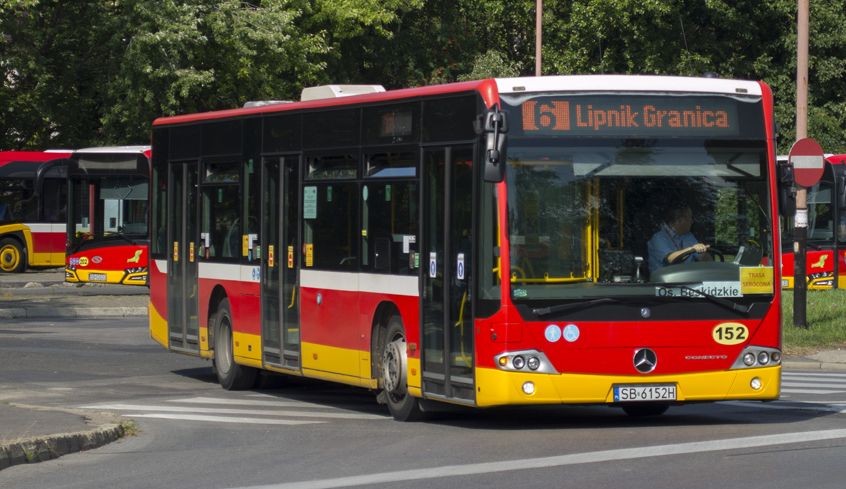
x: 652, y: 392
x: 97, y: 277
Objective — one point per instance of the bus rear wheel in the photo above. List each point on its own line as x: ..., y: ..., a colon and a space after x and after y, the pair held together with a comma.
x: 231, y: 376
x: 12, y: 257
x: 393, y: 373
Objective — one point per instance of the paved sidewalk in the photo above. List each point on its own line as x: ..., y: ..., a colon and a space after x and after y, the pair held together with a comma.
x: 31, y: 434
x: 34, y: 434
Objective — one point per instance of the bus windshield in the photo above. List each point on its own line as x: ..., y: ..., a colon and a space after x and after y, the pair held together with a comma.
x: 120, y: 207
x: 614, y: 216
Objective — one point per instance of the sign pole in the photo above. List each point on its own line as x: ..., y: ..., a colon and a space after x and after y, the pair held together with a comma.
x: 800, y: 239
x: 801, y: 220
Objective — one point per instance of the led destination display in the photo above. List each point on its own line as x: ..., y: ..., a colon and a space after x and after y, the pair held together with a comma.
x: 639, y: 116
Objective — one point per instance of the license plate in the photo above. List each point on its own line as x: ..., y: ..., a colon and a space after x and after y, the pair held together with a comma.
x: 97, y: 277
x: 644, y: 393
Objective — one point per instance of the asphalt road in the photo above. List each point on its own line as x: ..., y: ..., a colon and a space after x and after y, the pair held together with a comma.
x: 307, y: 434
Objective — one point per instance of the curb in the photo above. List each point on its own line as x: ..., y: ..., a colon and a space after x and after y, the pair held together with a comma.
x: 41, y: 449
x: 71, y: 312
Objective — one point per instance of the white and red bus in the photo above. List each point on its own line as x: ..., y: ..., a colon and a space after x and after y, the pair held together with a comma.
x: 480, y: 243
x: 107, y: 239
x: 32, y: 210
x: 826, y: 227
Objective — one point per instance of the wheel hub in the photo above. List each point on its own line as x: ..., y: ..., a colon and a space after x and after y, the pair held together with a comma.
x: 394, y: 367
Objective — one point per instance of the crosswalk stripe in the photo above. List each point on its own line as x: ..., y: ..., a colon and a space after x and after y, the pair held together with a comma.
x: 259, y: 412
x: 809, y: 391
x: 221, y: 419
x: 244, y: 402
x: 814, y: 384
x: 829, y: 375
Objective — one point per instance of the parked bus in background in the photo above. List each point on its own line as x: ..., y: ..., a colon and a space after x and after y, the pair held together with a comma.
x: 107, y: 238
x: 480, y: 243
x: 32, y: 210
x: 826, y: 226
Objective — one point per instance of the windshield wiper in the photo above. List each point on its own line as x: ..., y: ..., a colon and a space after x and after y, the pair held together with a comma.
x: 728, y: 304
x: 546, y: 311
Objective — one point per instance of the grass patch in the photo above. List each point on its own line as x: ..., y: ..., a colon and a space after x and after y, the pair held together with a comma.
x: 826, y: 320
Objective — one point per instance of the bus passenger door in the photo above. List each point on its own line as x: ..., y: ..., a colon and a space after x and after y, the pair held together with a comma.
x: 447, y: 318
x: 183, y: 220
x: 280, y: 314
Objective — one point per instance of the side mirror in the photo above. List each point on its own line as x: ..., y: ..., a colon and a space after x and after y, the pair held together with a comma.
x: 493, y: 124
x: 786, y: 195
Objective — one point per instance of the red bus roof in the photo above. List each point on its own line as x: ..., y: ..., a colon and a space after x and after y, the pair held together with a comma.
x: 34, y: 156
x: 836, y: 159
x: 486, y: 88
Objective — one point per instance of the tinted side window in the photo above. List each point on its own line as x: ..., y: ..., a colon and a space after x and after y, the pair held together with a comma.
x: 330, y: 226
x: 450, y: 119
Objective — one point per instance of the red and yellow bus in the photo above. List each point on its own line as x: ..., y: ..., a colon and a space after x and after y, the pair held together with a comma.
x: 480, y: 243
x: 32, y: 210
x: 107, y: 240
x: 825, y: 255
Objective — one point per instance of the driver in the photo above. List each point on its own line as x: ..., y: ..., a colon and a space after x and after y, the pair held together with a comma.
x: 674, y: 243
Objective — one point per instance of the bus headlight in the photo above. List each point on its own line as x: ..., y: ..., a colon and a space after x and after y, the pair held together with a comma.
x: 530, y: 361
x: 756, y: 357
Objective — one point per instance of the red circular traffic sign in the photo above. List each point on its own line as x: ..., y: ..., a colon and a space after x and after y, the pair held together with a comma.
x: 806, y: 158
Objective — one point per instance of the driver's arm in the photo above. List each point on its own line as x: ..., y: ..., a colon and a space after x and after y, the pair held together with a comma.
x: 696, y: 248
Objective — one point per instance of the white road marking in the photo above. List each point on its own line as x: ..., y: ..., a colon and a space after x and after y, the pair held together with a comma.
x: 814, y: 384
x: 257, y: 412
x: 220, y: 419
x: 562, y: 460
x: 244, y: 402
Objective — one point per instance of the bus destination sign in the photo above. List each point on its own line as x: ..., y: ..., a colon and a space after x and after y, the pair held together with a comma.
x: 630, y: 116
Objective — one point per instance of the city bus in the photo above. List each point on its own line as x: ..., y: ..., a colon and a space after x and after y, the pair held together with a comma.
x: 32, y: 210
x: 826, y: 239
x: 481, y: 243
x: 107, y: 238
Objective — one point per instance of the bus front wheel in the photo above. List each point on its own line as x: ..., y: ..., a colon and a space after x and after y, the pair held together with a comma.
x: 231, y: 376
x: 394, y: 374
x: 12, y: 257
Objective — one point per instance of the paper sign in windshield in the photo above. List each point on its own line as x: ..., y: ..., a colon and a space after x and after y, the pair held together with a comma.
x: 756, y: 280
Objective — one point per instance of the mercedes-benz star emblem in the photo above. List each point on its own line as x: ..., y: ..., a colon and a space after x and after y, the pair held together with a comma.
x: 645, y: 360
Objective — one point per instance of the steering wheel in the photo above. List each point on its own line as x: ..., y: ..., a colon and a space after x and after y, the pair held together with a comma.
x: 717, y: 254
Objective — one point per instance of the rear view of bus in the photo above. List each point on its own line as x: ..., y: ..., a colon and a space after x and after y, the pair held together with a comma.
x: 32, y: 206
x: 107, y: 219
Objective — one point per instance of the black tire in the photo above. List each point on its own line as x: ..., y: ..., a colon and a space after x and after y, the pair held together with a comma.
x: 12, y: 256
x: 646, y: 410
x: 393, y: 374
x: 230, y: 375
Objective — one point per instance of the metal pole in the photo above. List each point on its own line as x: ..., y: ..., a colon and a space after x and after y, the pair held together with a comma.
x: 538, y: 35
x: 800, y: 288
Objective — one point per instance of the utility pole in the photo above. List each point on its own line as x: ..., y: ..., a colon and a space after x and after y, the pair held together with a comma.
x: 538, y: 35
x: 800, y: 227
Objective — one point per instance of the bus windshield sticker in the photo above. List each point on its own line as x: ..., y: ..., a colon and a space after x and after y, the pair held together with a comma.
x: 309, y: 258
x: 716, y: 289
x: 309, y: 202
x: 756, y: 280
x: 459, y: 267
x: 433, y: 264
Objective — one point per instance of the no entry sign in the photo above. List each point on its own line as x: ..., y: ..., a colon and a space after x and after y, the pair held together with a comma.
x: 806, y: 158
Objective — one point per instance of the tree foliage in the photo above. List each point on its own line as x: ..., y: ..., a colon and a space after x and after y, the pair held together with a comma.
x: 94, y: 72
